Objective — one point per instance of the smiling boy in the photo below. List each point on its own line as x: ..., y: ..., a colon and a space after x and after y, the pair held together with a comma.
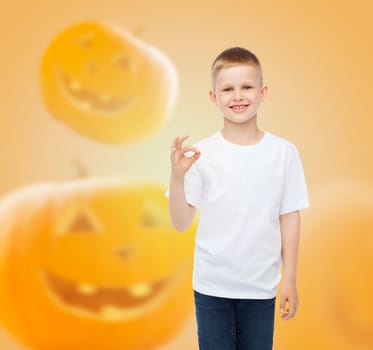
x: 250, y: 186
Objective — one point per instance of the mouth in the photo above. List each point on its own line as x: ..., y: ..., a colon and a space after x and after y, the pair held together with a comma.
x: 109, y: 303
x: 88, y: 100
x: 239, y: 108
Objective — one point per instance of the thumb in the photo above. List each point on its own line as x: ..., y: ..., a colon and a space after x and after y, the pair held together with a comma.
x: 194, y: 158
x: 196, y: 155
x: 282, y: 304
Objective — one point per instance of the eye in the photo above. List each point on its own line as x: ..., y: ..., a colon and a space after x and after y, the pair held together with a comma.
x: 122, y: 60
x: 227, y: 89
x: 82, y: 223
x: 85, y: 40
x: 78, y: 220
x: 247, y: 87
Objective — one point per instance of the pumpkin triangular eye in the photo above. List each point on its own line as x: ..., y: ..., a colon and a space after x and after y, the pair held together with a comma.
x: 85, y: 40
x: 154, y: 214
x: 148, y: 220
x: 81, y: 223
x: 78, y: 219
x: 122, y: 60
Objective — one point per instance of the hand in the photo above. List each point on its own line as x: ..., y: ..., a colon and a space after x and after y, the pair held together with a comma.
x: 180, y: 163
x: 288, y: 294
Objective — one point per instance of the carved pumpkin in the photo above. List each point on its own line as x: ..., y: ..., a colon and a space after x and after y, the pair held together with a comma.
x: 93, y: 264
x: 335, y: 274
x: 107, y: 84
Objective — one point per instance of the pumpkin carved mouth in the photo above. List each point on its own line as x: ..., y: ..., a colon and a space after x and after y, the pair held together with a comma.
x: 88, y: 100
x: 110, y: 303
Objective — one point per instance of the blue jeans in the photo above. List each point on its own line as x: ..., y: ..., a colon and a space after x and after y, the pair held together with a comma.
x: 234, y: 324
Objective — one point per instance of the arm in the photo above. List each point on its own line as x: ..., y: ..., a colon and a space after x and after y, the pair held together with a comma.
x: 290, y: 233
x: 181, y: 212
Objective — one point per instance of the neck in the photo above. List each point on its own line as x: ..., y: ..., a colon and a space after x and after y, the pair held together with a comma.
x: 243, y: 133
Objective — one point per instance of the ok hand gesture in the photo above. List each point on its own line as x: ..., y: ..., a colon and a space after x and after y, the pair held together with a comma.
x: 180, y: 163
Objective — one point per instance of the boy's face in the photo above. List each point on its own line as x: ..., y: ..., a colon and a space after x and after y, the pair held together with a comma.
x: 238, y: 93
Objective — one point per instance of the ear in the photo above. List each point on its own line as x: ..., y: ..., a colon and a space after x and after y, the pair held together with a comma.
x: 212, y: 96
x: 263, y: 93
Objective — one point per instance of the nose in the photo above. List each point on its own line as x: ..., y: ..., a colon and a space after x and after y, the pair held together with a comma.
x: 237, y: 95
x: 92, y: 67
x: 125, y: 252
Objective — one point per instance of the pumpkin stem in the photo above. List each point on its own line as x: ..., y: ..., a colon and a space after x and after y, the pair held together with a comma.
x: 81, y: 170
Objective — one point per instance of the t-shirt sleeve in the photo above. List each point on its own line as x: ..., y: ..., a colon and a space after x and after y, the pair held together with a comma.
x: 295, y: 194
x: 193, y: 185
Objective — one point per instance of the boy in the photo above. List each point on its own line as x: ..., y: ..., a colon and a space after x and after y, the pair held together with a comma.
x: 250, y: 186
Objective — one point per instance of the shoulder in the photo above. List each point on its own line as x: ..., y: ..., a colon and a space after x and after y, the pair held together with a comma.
x: 281, y: 143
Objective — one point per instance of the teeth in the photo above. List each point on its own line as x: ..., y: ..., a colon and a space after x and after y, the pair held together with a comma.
x: 74, y: 85
x: 238, y: 108
x: 86, y: 289
x: 137, y: 290
x: 86, y: 106
x: 140, y: 290
x: 111, y: 312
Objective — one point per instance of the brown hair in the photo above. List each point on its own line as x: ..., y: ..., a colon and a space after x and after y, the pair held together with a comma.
x: 232, y: 57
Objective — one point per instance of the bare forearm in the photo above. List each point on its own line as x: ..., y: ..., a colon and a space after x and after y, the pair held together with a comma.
x: 290, y: 235
x: 180, y: 211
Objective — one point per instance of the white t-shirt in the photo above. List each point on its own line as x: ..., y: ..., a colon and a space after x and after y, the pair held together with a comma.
x: 241, y: 190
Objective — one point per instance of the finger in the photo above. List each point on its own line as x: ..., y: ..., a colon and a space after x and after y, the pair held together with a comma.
x: 196, y: 155
x: 282, y: 304
x: 289, y: 313
x: 181, y: 140
x: 190, y: 148
x: 174, y: 153
x: 285, y: 315
x: 292, y: 309
x: 174, y: 145
x: 174, y: 142
x: 195, y: 149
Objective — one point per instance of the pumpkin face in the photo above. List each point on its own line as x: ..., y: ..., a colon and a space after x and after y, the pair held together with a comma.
x: 335, y: 269
x: 93, y: 264
x: 106, y: 84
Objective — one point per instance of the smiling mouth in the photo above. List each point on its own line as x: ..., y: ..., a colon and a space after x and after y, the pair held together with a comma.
x: 88, y: 100
x: 109, y: 303
x: 239, y: 107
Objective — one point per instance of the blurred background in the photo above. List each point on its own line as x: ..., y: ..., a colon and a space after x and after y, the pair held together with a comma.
x: 316, y: 58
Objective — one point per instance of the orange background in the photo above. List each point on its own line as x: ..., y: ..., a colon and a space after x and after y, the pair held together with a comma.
x: 317, y: 61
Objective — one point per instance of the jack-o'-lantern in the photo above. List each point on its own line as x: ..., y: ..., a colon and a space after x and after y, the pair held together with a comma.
x: 335, y: 274
x: 93, y: 264
x: 107, y: 84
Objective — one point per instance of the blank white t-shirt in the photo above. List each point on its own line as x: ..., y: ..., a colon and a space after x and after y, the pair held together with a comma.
x: 241, y: 191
